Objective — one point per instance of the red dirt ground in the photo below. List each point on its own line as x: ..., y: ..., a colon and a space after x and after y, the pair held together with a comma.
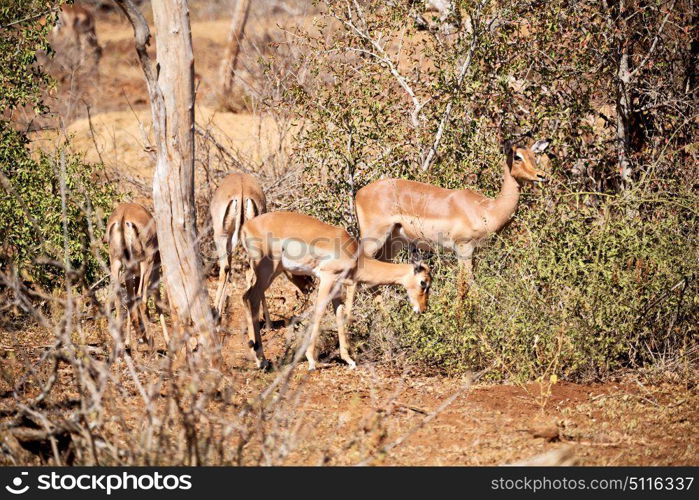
x: 384, y: 417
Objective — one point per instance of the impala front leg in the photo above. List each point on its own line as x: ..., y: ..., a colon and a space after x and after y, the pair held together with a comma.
x: 349, y: 301
x: 265, y: 313
x: 464, y: 282
x: 251, y: 304
x: 464, y: 252
x: 466, y: 269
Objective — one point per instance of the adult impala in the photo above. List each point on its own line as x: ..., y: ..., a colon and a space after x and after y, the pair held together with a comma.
x: 303, y: 246
x: 76, y: 24
x: 239, y: 197
x: 430, y: 216
x: 133, y: 249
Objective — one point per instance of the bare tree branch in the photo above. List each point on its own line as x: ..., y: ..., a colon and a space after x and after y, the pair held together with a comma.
x: 655, y: 41
x: 380, y: 54
x: 235, y: 36
x: 431, y: 153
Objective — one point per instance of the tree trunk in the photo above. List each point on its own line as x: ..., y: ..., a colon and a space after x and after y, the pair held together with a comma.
x: 623, y: 101
x: 171, y: 92
x: 693, y: 66
x: 623, y: 116
x: 235, y: 36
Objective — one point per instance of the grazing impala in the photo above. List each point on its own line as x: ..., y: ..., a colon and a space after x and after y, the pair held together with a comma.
x: 238, y: 198
x: 77, y: 24
x: 133, y: 248
x: 429, y: 216
x: 303, y: 246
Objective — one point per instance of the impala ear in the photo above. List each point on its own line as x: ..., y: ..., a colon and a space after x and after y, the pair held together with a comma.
x: 419, y: 267
x: 540, y: 146
x: 507, y: 146
x: 415, y: 254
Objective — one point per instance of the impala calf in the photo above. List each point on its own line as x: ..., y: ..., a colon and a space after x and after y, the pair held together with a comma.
x: 430, y: 216
x: 303, y: 246
x: 133, y: 253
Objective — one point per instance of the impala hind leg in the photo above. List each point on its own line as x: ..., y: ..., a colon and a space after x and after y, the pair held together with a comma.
x: 144, y: 285
x: 223, y: 250
x: 115, y: 299
x: 131, y: 306
x: 155, y: 288
x: 339, y: 308
x: 325, y: 289
x: 259, y: 277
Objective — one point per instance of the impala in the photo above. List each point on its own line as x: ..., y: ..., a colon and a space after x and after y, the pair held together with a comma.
x: 238, y: 198
x: 303, y: 246
x: 428, y: 216
x: 133, y: 249
x: 78, y: 23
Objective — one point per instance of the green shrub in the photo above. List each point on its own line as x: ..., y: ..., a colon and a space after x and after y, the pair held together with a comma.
x: 593, y: 274
x: 39, y: 236
x: 32, y: 229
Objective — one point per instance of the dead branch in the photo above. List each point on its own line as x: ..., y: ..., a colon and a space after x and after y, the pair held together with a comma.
x: 235, y: 36
x: 463, y: 69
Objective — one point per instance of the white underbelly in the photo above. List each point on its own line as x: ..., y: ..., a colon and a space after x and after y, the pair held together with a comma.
x: 307, y: 267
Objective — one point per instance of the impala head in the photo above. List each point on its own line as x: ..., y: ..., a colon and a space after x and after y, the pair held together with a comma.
x: 522, y: 162
x: 418, y: 285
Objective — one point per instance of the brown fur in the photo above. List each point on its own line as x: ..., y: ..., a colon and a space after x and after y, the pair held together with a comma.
x: 133, y: 253
x: 431, y: 216
x: 300, y: 246
x: 239, y: 197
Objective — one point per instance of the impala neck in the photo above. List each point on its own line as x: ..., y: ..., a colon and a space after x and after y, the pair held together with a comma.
x: 506, y: 202
x: 376, y: 272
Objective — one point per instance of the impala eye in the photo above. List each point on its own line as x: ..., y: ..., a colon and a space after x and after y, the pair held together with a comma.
x: 424, y: 285
x: 519, y: 157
